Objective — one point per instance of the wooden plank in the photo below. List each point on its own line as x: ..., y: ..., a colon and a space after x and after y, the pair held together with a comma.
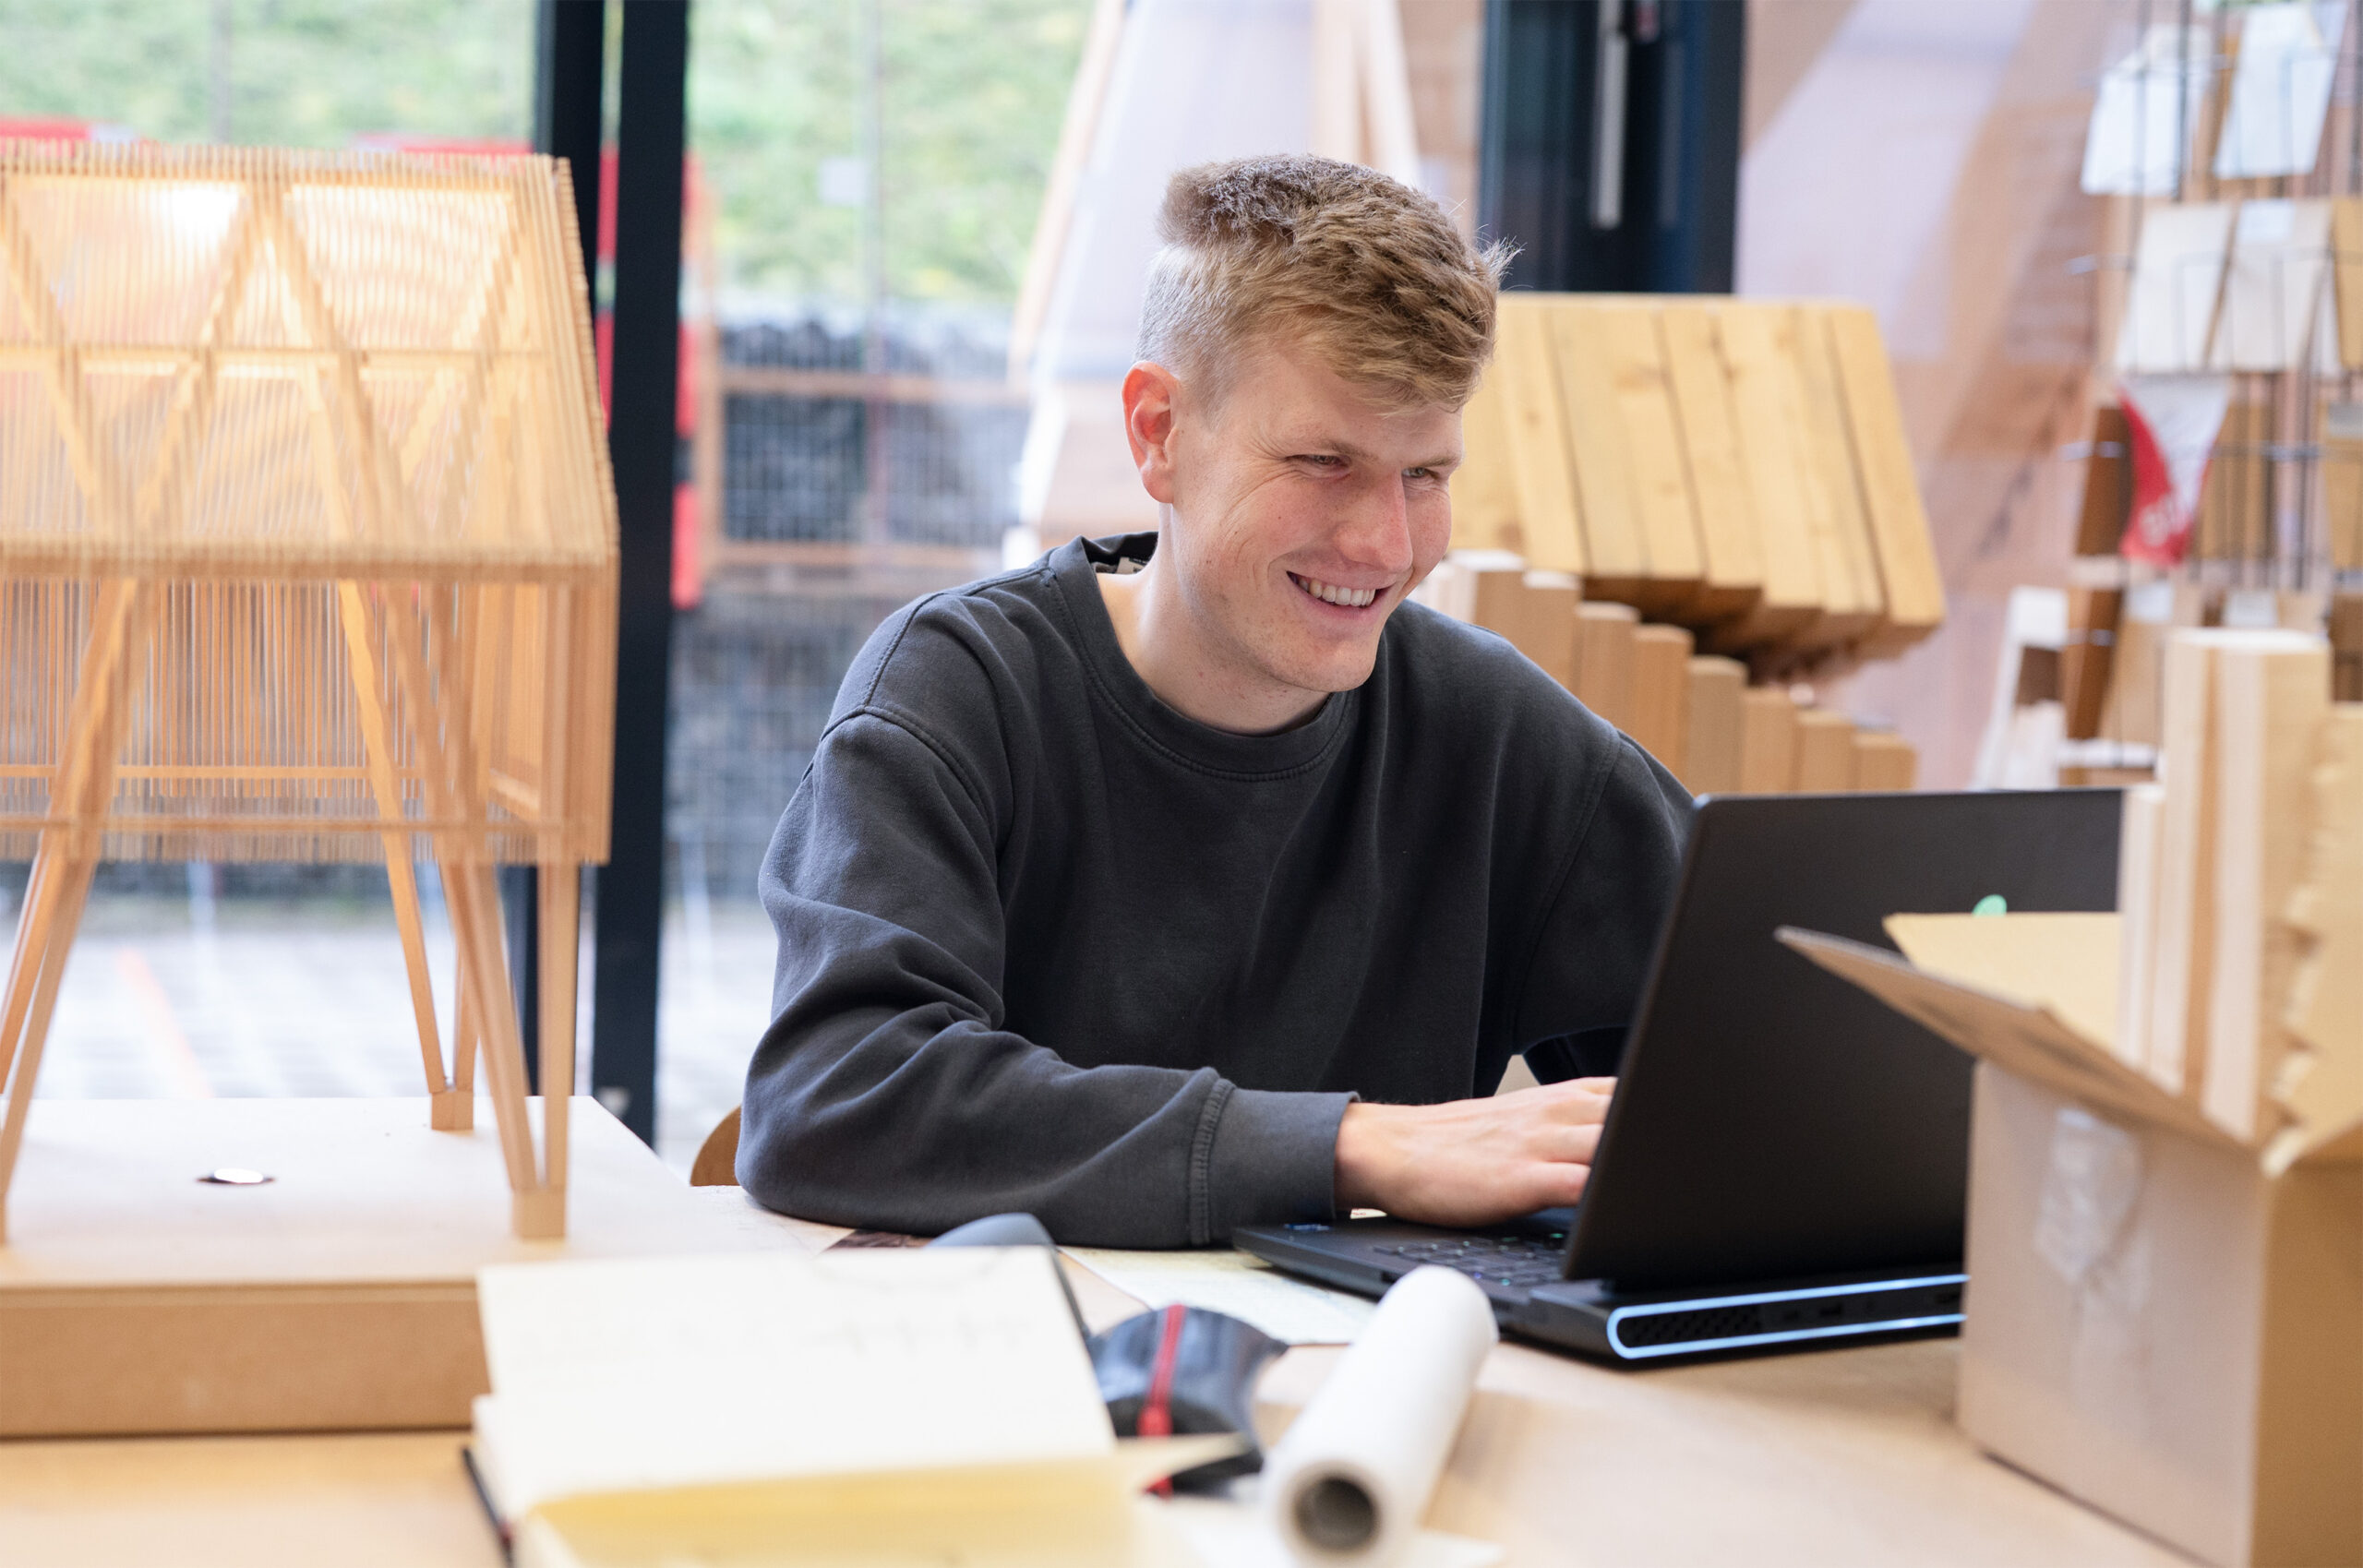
x: 1549, y: 519
x: 2326, y: 994
x: 2346, y: 277
x: 1825, y: 753
x: 1484, y: 487
x: 1604, y: 663
x: 1548, y: 630
x: 2235, y: 522
x: 2186, y: 886
x: 1853, y: 603
x: 1657, y: 478
x: 1767, y: 740
x: 1661, y: 704
x: 1884, y: 760
x: 2342, y: 475
x: 1765, y: 402
x: 2084, y: 660
x: 1731, y: 556
x: 2273, y: 695
x: 2108, y: 483
x: 1710, y: 751
x: 1911, y: 581
x: 1617, y: 552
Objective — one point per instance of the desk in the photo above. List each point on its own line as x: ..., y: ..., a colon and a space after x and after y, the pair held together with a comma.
x: 1835, y: 1457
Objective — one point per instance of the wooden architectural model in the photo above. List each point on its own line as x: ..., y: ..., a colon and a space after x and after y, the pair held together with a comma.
x: 307, y: 552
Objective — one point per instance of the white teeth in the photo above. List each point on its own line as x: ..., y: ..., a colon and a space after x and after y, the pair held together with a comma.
x: 1351, y: 598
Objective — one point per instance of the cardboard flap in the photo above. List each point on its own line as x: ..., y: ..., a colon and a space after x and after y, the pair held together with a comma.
x: 2020, y: 1037
x: 2065, y: 964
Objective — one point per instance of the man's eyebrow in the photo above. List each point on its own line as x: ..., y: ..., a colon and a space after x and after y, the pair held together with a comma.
x: 1353, y: 453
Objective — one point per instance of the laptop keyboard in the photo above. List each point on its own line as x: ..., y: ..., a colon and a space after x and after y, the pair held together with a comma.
x: 1520, y: 1261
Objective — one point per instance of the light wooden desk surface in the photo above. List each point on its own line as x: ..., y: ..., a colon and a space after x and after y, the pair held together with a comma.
x: 1837, y: 1457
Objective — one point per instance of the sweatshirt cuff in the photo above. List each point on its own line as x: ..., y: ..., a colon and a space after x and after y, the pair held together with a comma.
x: 1274, y: 1160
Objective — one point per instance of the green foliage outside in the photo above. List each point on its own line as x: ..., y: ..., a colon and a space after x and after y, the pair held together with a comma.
x: 973, y: 92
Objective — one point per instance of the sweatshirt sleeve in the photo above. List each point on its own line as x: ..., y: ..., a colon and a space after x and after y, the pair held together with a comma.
x: 886, y: 1092
x: 1583, y: 985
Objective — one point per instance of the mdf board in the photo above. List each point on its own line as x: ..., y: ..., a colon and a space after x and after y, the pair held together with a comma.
x: 339, y: 1296
x: 1604, y: 661
x: 1767, y: 740
x: 1661, y: 693
x: 1711, y: 751
x: 1484, y: 487
x: 1535, y: 420
x: 1767, y: 413
x: 1825, y: 753
x: 1731, y: 556
x: 2108, y: 483
x: 2272, y: 696
x: 1548, y: 630
x: 1618, y: 340
x: 1617, y: 552
x: 1854, y: 603
x: 1884, y: 760
x: 1910, y: 579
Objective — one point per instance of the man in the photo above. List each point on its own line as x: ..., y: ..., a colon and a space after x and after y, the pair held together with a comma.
x: 1117, y: 880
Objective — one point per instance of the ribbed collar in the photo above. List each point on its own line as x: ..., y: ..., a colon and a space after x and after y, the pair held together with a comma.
x: 1074, y: 568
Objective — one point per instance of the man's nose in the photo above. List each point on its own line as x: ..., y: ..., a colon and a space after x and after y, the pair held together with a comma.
x: 1376, y: 529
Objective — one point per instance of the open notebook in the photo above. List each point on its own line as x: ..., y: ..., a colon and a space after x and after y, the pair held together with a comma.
x: 858, y: 1408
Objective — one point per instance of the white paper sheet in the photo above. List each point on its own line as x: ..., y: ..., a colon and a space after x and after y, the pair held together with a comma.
x: 2177, y: 276
x: 2280, y: 265
x: 1231, y: 1281
x: 2280, y: 87
x: 2135, y: 144
x: 1351, y: 1480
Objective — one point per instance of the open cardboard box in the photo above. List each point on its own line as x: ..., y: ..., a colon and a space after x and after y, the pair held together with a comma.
x: 2163, y: 1320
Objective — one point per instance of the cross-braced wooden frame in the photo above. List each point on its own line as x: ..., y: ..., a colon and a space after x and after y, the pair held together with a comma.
x: 307, y: 552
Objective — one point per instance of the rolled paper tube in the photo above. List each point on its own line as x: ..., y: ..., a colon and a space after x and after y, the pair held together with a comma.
x: 1351, y: 1479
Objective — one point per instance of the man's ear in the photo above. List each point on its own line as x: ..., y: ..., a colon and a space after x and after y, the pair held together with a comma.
x: 1151, y: 392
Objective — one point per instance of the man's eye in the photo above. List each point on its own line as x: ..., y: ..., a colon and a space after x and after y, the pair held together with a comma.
x: 1419, y: 473
x: 1322, y: 460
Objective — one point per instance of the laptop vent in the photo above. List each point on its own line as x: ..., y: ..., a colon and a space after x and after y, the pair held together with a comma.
x: 1643, y: 1330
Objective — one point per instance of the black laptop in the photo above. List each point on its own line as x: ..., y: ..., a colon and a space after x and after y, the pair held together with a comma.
x: 1786, y: 1159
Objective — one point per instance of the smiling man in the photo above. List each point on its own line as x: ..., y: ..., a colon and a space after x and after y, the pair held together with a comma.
x: 1194, y: 880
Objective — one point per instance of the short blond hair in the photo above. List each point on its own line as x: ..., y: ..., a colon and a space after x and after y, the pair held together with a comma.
x: 1366, y: 272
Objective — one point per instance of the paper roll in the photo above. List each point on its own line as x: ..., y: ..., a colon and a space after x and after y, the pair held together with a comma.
x: 1351, y: 1479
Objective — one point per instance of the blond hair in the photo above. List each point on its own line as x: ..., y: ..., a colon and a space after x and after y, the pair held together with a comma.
x: 1367, y: 272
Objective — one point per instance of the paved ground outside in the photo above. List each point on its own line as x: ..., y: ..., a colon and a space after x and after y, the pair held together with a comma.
x: 169, y: 998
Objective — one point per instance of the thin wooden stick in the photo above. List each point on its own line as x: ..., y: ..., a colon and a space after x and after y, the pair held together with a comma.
x: 73, y: 879
x: 562, y: 890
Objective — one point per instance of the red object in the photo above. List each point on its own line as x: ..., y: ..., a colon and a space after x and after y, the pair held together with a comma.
x: 2172, y: 422
x: 688, y: 585
x: 1157, y: 1410
x: 39, y: 129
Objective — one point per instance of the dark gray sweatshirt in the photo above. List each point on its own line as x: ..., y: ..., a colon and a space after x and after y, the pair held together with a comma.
x: 1047, y: 945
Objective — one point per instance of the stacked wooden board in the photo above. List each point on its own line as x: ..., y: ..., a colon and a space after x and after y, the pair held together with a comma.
x: 1693, y: 711
x: 1737, y: 468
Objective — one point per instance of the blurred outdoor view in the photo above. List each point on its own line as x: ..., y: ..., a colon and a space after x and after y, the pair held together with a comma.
x: 863, y: 183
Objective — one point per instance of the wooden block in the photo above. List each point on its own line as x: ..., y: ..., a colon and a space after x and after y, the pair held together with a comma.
x: 1543, y: 474
x: 2084, y: 660
x: 1483, y: 588
x: 2345, y: 620
x: 1711, y: 751
x: 1825, y: 753
x: 1547, y: 627
x: 1853, y: 603
x: 1616, y: 554
x: 1604, y: 663
x: 2272, y: 695
x: 1910, y: 578
x: 2139, y: 825
x: 1766, y: 407
x: 2346, y: 277
x: 2186, y: 918
x: 1484, y: 487
x: 2324, y: 1090
x: 2342, y: 474
x: 1661, y: 693
x: 2108, y: 483
x: 1656, y: 475
x: 1731, y: 558
x: 1884, y: 760
x: 339, y: 1295
x: 1767, y: 740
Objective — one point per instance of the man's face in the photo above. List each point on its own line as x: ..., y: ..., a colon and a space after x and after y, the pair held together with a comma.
x: 1302, y: 513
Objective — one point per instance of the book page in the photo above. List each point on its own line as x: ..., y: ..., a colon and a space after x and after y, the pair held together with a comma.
x: 630, y: 1375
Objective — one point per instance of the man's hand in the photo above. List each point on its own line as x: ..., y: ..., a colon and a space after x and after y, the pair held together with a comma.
x: 1473, y: 1162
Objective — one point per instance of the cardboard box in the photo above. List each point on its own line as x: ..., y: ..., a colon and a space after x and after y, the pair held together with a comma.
x: 2163, y: 1321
